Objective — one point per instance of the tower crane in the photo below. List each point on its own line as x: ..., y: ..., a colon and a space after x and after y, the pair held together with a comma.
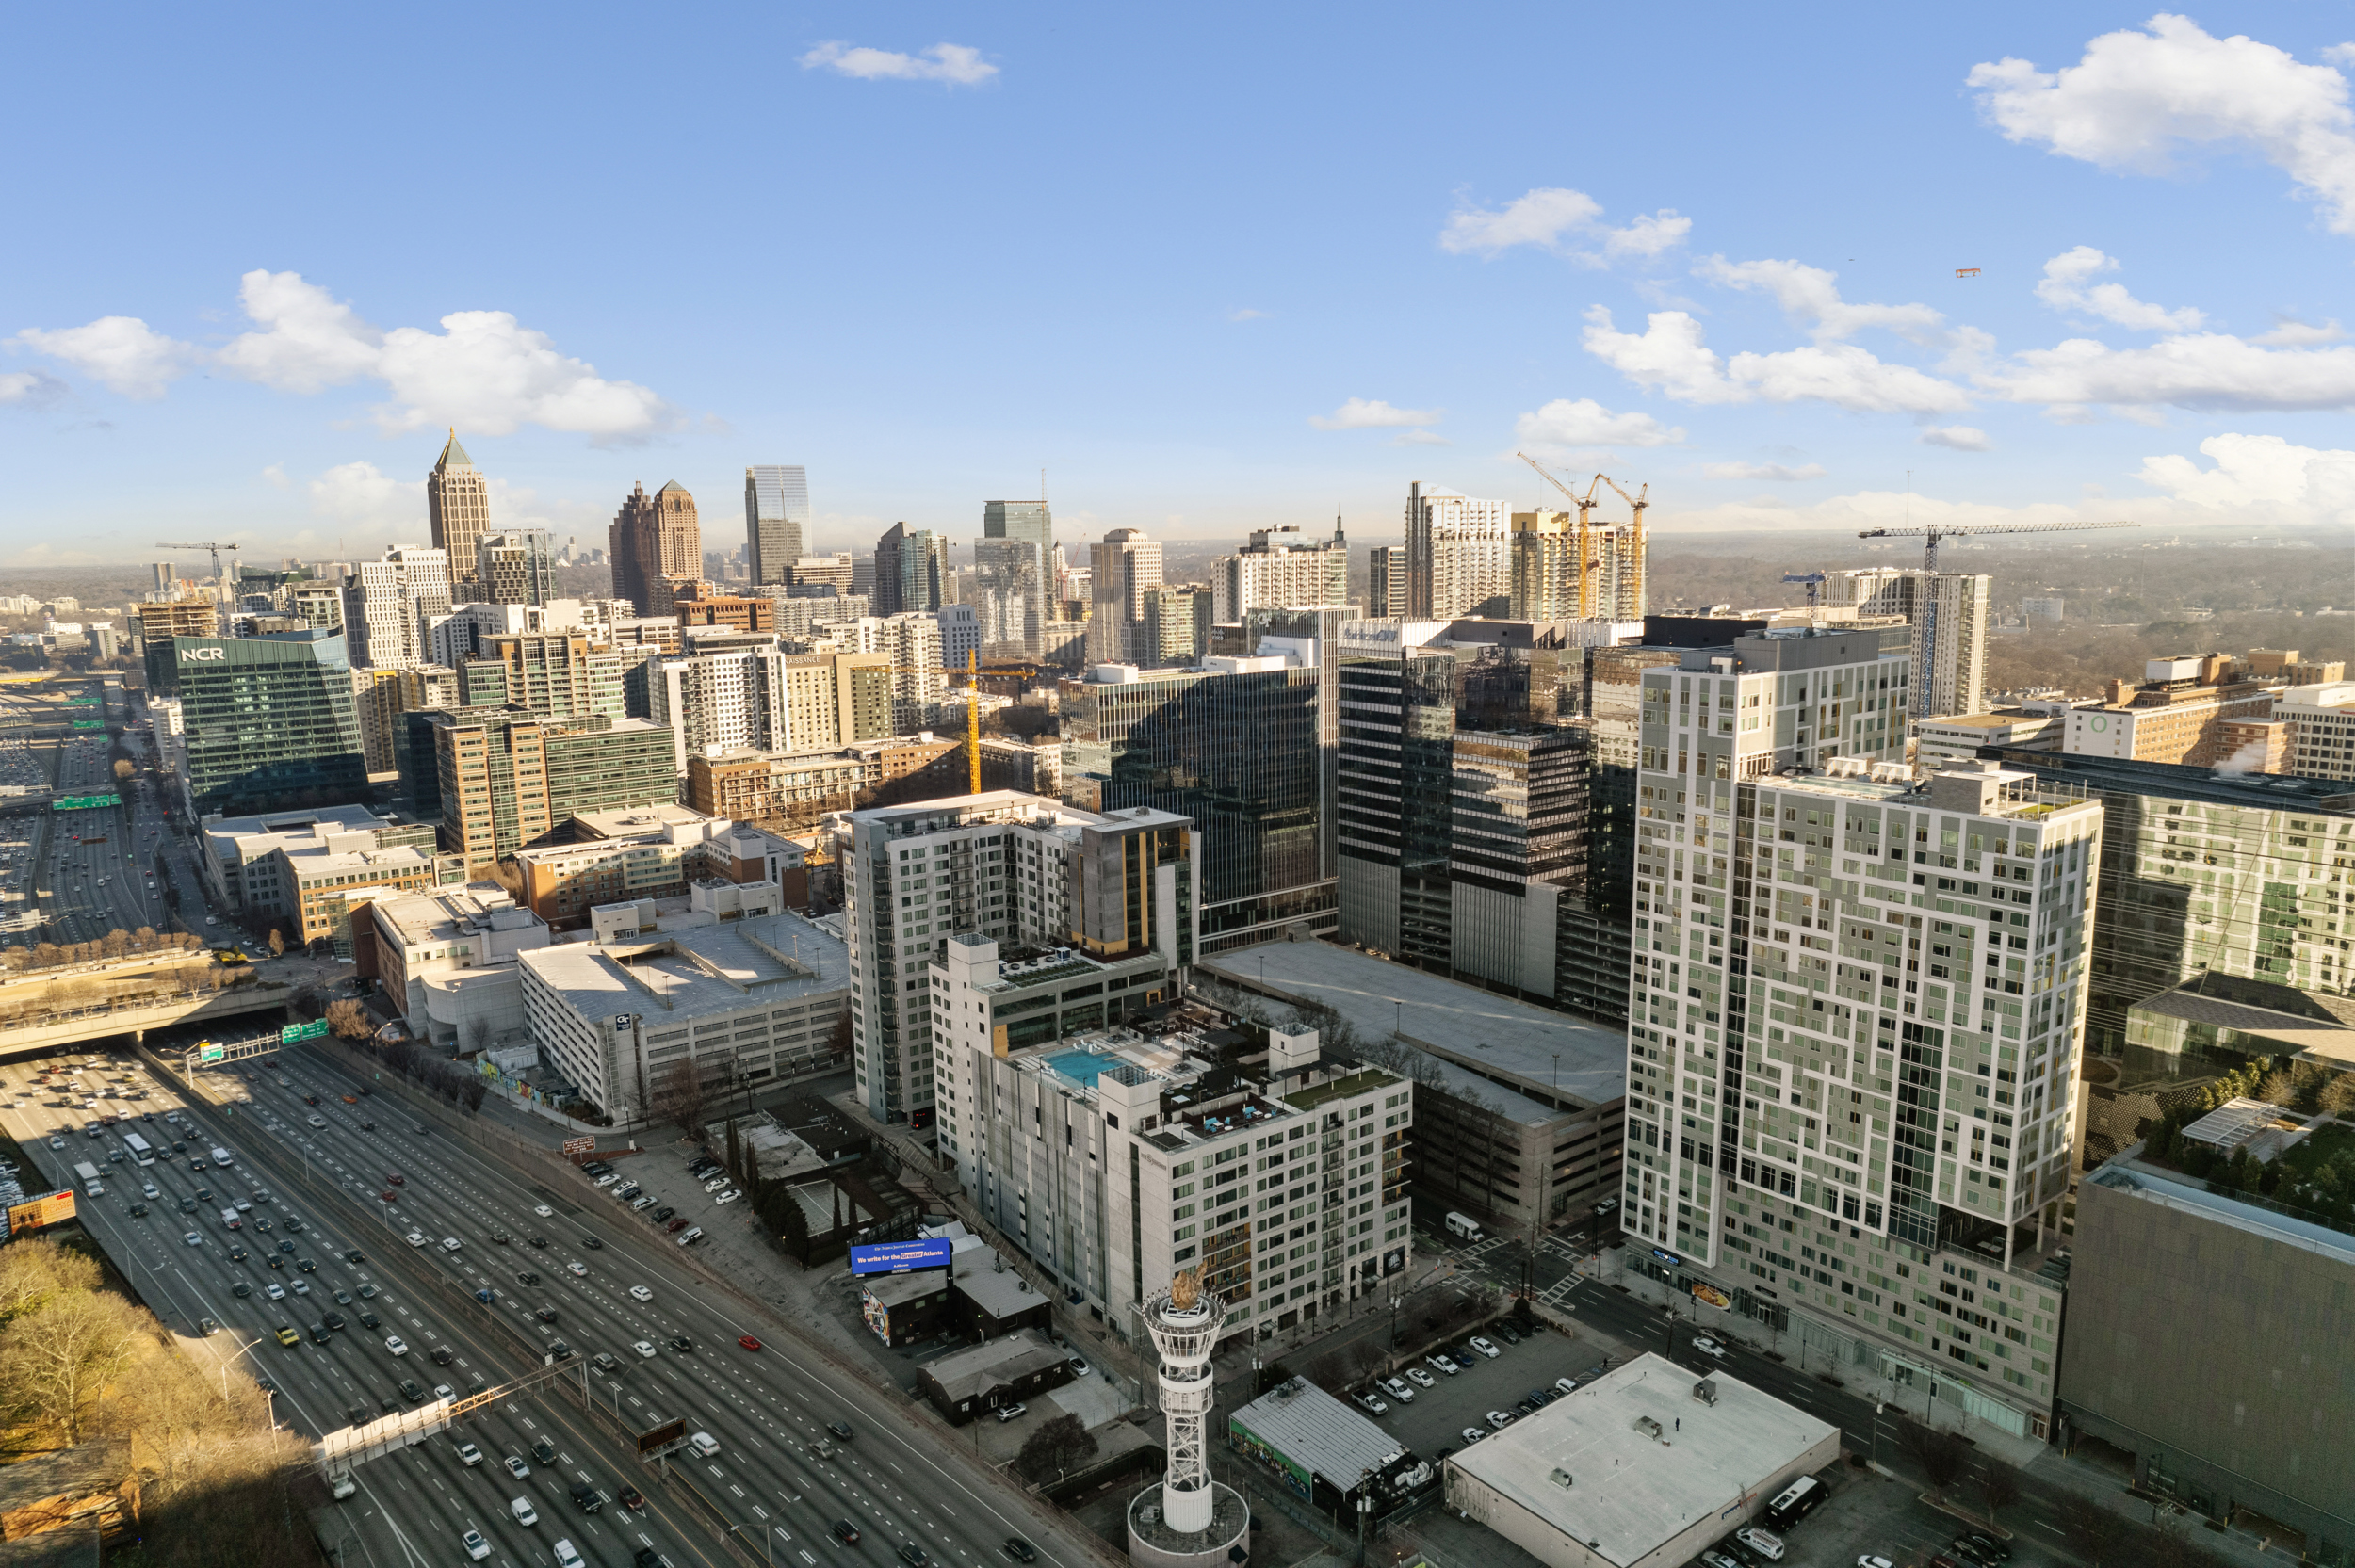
x: 972, y: 673
x: 1586, y: 562
x: 1639, y: 558
x: 1930, y: 535
x: 216, y: 550
x: 1814, y: 581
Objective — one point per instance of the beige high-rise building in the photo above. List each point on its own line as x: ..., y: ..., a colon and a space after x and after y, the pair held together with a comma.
x: 1123, y: 568
x: 1456, y: 559
x: 656, y: 544
x: 458, y: 503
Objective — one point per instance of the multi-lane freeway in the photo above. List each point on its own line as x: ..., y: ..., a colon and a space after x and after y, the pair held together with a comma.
x: 337, y: 1189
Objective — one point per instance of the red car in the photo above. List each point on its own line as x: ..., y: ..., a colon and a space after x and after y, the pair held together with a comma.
x: 677, y: 1225
x: 632, y: 1497
x: 386, y: 1195
x: 748, y: 1341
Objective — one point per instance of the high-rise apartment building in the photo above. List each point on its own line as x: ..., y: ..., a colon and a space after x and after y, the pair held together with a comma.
x: 911, y: 570
x: 700, y: 605
x: 656, y: 545
x: 457, y: 506
x: 1386, y: 582
x: 1238, y: 748
x: 1457, y: 562
x: 1017, y: 869
x: 1394, y: 771
x: 1177, y: 629
x: 908, y: 649
x: 1564, y: 569
x: 393, y: 605
x: 2321, y: 722
x: 376, y: 703
x: 555, y: 674
x: 513, y: 567
x: 160, y: 621
x: 723, y: 693
x: 1124, y: 567
x: 823, y: 573
x: 776, y: 520
x: 960, y: 636
x: 1947, y: 612
x: 1280, y: 568
x: 268, y: 722
x: 502, y: 778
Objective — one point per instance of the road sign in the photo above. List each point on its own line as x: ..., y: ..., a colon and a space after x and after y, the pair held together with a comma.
x: 898, y: 1257
x: 315, y: 1029
x: 89, y: 724
x: 655, y: 1437
x: 575, y: 1147
x: 209, y: 1053
x: 83, y: 802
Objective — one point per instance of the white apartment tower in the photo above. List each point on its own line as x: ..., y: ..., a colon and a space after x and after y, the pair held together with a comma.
x: 1280, y: 568
x: 1018, y: 869
x: 1854, y: 1019
x: 728, y: 692
x: 1457, y: 560
x: 1947, y: 612
x: 393, y: 600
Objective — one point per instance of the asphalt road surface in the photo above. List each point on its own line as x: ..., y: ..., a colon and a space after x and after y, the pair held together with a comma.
x: 899, y: 1482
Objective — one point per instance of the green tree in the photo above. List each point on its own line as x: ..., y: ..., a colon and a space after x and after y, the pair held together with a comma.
x: 784, y: 1217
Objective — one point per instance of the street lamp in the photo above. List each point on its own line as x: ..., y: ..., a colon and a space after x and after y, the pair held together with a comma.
x: 1878, y: 1406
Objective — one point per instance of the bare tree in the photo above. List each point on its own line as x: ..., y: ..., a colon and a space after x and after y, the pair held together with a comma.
x: 350, y: 1020
x: 1999, y: 1487
x: 1940, y: 1454
x: 680, y: 1096
x: 60, y: 1359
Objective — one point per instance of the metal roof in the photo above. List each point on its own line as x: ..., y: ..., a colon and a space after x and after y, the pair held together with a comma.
x: 1319, y: 1433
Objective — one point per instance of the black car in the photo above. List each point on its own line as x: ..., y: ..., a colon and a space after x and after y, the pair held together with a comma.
x: 369, y: 1319
x: 1019, y: 1549
x: 203, y: 1194
x: 913, y: 1555
x: 499, y: 1238
x: 275, y: 1261
x: 318, y: 1333
x: 537, y: 1241
x: 412, y: 1392
x: 285, y: 1246
x: 294, y: 1224
x: 661, y: 1214
x: 138, y: 1211
x: 388, y: 1401
x: 846, y: 1532
x: 545, y: 1314
x: 545, y: 1451
x: 585, y: 1496
x: 355, y: 1255
x: 333, y: 1320
x: 343, y: 1298
x: 840, y: 1429
x: 527, y: 1277
x: 237, y: 1254
x: 648, y: 1558
x: 1981, y: 1548
x: 680, y: 1343
x: 561, y: 1350
x: 592, y: 1243
x: 358, y: 1415
x: 442, y: 1356
x: 187, y: 1205
x: 241, y: 1289
x: 306, y: 1265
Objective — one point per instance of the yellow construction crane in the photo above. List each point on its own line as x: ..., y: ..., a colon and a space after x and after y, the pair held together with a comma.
x: 972, y: 673
x: 216, y: 549
x: 1586, y: 562
x: 1640, y: 554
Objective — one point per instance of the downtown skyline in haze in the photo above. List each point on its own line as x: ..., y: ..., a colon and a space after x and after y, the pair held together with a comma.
x: 1250, y: 270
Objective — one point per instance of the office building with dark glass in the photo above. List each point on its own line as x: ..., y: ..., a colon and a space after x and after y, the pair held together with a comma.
x: 270, y: 720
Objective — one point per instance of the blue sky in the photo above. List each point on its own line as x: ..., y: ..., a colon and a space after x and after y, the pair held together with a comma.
x: 1210, y: 270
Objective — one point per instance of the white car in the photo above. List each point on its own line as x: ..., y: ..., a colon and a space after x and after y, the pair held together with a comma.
x: 276, y: 1292
x: 477, y: 1548
x: 1420, y: 1378
x: 715, y: 1184
x: 640, y: 1293
x: 1765, y: 1543
x: 468, y: 1455
x: 443, y: 1391
x: 1710, y: 1347
x: 193, y: 1239
x: 645, y: 1199
x: 517, y: 1467
x: 56, y: 1143
x: 449, y: 1244
x: 728, y: 1197
x: 1486, y: 1346
x: 607, y: 1179
x: 703, y: 1444
x: 245, y: 1205
x: 1500, y: 1419
x: 1398, y: 1391
x: 415, y: 1238
x: 543, y: 1211
x: 644, y: 1348
x: 1471, y: 1435
x: 317, y: 1121
x: 303, y: 1287
x: 149, y: 1190
x: 580, y: 1269
x: 1567, y: 1385
x: 1371, y: 1402
x: 399, y: 1346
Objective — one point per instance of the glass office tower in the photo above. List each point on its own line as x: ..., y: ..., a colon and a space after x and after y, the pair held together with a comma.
x: 271, y: 722
x: 776, y: 519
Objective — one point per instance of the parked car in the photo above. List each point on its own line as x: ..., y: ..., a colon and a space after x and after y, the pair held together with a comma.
x: 1444, y: 1362
x: 1013, y: 1412
x: 1370, y: 1401
x: 1767, y: 1545
x: 1486, y: 1346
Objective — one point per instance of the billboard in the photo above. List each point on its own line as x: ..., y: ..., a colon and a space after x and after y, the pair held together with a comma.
x: 899, y: 1257
x: 575, y: 1147
x: 662, y: 1436
x: 53, y: 1208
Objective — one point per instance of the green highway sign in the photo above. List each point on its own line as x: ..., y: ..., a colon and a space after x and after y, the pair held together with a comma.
x: 89, y: 724
x: 315, y: 1029
x: 83, y: 802
x: 209, y: 1053
x: 81, y: 702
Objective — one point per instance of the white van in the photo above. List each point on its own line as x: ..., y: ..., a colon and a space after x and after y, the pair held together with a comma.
x: 703, y: 1444
x: 566, y: 1557
x: 691, y: 1235
x: 1463, y: 1225
x: 523, y: 1510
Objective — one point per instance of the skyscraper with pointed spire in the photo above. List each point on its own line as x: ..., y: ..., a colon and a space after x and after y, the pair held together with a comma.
x: 458, y: 503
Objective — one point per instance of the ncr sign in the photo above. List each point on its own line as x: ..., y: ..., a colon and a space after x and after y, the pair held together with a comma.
x: 213, y: 654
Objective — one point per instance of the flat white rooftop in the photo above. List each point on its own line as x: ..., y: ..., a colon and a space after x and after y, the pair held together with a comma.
x: 1633, y: 1460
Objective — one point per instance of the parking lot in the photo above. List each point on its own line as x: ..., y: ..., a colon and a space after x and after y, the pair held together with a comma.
x: 1433, y: 1422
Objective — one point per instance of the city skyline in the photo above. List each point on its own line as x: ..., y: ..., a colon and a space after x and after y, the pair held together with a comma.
x: 2018, y: 332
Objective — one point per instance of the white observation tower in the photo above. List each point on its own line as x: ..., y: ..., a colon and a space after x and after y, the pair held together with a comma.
x: 1194, y: 1519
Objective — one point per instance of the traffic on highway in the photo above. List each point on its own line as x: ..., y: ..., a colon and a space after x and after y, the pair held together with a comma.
x: 316, y: 1238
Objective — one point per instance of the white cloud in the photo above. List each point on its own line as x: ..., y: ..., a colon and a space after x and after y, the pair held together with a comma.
x: 1246, y: 316
x: 953, y: 63
x: 1587, y: 423
x: 275, y: 476
x: 1957, y: 438
x: 30, y: 389
x: 359, y: 493
x: 2136, y: 97
x: 484, y: 371
x: 2290, y: 333
x: 1671, y: 357
x: 309, y: 339
x: 121, y: 353
x: 1418, y: 438
x: 1541, y: 217
x: 1550, y: 217
x: 1809, y: 296
x: 1649, y: 234
x: 2264, y: 474
x: 1774, y: 471
x: 1361, y: 413
x: 2064, y: 288
x: 2206, y: 370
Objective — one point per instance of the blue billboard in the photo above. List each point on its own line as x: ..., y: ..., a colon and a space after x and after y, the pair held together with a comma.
x: 899, y: 1257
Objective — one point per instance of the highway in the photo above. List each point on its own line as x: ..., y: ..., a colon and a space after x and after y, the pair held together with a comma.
x: 93, y: 867
x: 902, y: 1481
